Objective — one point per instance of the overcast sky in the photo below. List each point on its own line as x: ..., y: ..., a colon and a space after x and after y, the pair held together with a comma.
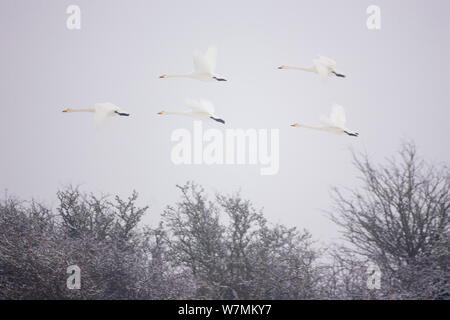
x: 397, y: 88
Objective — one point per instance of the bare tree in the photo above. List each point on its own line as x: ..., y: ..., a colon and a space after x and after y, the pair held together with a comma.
x: 118, y: 260
x: 344, y: 276
x: 399, y: 220
x: 233, y: 253
x: 225, y: 249
x: 28, y: 256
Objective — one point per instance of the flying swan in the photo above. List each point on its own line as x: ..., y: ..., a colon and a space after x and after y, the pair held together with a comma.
x: 335, y: 123
x: 102, y: 111
x: 198, y: 109
x: 204, y: 66
x: 323, y: 66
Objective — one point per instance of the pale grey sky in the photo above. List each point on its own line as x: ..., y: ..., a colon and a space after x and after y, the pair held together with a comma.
x: 396, y: 88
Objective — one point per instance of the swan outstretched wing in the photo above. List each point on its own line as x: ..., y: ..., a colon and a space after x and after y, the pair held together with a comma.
x: 205, y: 63
x: 327, y: 61
x: 322, y: 70
x: 104, y: 111
x: 336, y: 117
x: 200, y: 106
x: 324, y: 66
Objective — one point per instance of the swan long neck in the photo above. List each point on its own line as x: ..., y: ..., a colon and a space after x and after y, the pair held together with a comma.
x: 307, y: 69
x: 189, y: 75
x: 310, y: 127
x: 81, y: 110
x: 175, y: 112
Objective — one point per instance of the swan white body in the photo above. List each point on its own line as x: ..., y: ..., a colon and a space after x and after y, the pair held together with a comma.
x: 204, y: 67
x: 198, y: 109
x: 101, y: 111
x: 323, y: 66
x: 335, y: 123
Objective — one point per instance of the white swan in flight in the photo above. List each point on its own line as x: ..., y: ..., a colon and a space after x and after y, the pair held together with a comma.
x: 101, y: 111
x: 204, y: 66
x: 335, y: 123
x: 198, y: 109
x: 323, y: 66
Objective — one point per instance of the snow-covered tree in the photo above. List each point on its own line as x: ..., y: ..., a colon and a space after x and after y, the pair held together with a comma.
x: 234, y: 253
x: 399, y: 220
